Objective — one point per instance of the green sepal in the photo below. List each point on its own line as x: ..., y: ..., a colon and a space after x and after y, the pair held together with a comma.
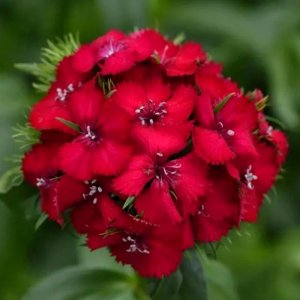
x: 129, y: 202
x: 68, y: 124
x: 222, y: 103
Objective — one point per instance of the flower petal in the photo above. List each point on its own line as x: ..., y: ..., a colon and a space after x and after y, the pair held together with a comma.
x: 211, y: 146
x: 110, y: 157
x: 137, y: 174
x: 76, y: 160
x: 156, y: 205
x: 181, y: 104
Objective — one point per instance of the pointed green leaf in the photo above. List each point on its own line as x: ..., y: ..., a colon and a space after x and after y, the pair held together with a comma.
x: 81, y: 282
x: 179, y: 38
x: 69, y: 124
x: 219, y: 281
x: 276, y: 121
x: 167, y: 288
x: 194, y: 283
x: 41, y: 220
x: 10, y: 179
x: 222, y: 103
x: 51, y: 55
x: 25, y: 136
x: 129, y: 202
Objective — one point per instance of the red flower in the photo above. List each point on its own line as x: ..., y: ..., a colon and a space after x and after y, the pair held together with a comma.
x: 151, y: 250
x: 100, y: 147
x: 257, y: 177
x: 227, y: 133
x: 154, y: 107
x: 175, y: 186
x: 209, y: 80
x: 186, y: 60
x: 113, y: 53
x: 219, y: 209
x: 56, y: 103
x: 164, y: 152
x: 41, y: 168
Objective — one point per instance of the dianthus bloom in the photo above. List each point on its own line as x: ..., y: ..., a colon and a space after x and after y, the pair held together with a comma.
x: 163, y: 151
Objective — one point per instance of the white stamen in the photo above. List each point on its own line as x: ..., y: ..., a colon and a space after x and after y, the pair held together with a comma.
x: 221, y: 124
x: 270, y: 131
x: 70, y: 87
x: 150, y: 112
x: 202, y: 211
x: 230, y: 132
x: 159, y: 154
x: 90, y: 134
x: 94, y: 189
x: 63, y: 93
x: 133, y: 247
x: 40, y: 182
x: 249, y: 176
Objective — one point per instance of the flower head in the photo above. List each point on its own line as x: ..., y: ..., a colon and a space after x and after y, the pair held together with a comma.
x: 150, y: 149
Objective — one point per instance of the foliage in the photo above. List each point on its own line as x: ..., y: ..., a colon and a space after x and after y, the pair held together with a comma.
x: 258, y: 41
x: 50, y: 57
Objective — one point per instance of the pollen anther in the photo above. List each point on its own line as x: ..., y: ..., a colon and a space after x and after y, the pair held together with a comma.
x: 250, y: 177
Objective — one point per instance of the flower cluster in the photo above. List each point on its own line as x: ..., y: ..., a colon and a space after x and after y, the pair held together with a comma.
x: 150, y: 149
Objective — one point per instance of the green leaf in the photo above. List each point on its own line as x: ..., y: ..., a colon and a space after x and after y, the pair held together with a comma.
x: 222, y: 103
x: 10, y: 179
x: 50, y: 58
x: 276, y: 121
x: 168, y: 287
x: 194, y: 283
x: 68, y: 124
x: 179, y: 38
x: 25, y: 136
x: 129, y: 202
x: 81, y: 282
x: 40, y: 221
x: 220, y: 284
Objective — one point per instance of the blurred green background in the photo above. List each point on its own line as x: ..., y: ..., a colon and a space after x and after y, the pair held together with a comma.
x: 259, y: 44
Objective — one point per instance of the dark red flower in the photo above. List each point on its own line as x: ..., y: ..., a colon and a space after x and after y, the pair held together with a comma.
x: 219, y: 209
x: 154, y: 107
x: 227, y: 133
x: 55, y: 104
x: 131, y: 240
x: 186, y: 60
x: 41, y: 168
x: 113, y: 53
x: 166, y: 189
x: 150, y: 149
x: 100, y: 147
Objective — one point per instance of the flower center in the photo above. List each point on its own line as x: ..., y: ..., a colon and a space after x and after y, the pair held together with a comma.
x: 40, y: 182
x: 250, y: 177
x: 269, y: 131
x: 168, y: 171
x: 109, y: 48
x: 94, y: 190
x: 222, y: 130
x: 150, y: 112
x: 62, y: 94
x: 201, y: 211
x: 135, y: 244
x: 90, y: 134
